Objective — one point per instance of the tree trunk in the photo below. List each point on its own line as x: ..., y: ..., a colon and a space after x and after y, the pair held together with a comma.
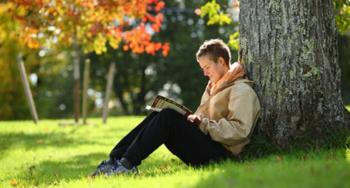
x: 27, y: 90
x: 290, y: 50
x: 118, y: 91
x: 110, y: 78
x: 86, y: 83
x: 139, y: 99
x: 76, y: 76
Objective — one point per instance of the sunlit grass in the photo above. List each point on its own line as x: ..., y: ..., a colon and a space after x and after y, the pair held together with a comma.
x: 49, y: 155
x: 348, y: 107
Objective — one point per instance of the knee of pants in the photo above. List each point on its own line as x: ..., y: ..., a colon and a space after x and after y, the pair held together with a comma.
x: 169, y: 117
x: 169, y: 113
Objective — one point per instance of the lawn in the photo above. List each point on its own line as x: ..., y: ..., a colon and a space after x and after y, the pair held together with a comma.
x: 48, y: 155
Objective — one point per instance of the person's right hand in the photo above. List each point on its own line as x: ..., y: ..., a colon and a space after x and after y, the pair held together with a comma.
x: 193, y: 118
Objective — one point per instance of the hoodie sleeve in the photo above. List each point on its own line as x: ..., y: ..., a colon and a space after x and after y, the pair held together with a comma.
x: 243, y: 109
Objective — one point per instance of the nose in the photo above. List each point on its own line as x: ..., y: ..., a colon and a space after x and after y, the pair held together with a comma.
x: 205, y: 73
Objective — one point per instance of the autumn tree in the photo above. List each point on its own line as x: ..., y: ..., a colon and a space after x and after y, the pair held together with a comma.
x: 291, y: 52
x: 12, y: 98
x: 144, y: 76
x: 88, y: 25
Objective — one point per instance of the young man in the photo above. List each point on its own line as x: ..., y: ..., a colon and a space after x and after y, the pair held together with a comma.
x: 219, y: 129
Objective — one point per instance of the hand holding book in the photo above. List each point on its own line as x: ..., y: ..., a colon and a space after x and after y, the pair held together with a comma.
x: 194, y: 118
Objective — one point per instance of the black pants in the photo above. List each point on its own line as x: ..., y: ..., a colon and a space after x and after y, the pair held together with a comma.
x: 182, y: 138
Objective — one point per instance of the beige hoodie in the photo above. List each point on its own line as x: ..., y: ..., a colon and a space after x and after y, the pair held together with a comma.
x: 230, y: 113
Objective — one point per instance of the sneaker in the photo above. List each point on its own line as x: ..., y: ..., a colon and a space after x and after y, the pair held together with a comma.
x: 104, y: 167
x: 123, y: 166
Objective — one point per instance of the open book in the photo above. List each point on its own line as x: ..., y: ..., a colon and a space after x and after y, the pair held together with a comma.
x: 160, y: 103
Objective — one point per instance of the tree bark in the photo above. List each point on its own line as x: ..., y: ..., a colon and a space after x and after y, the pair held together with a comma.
x: 76, y: 76
x: 86, y: 83
x: 290, y: 51
x: 110, y: 78
x: 27, y: 90
x: 118, y: 91
x: 139, y: 99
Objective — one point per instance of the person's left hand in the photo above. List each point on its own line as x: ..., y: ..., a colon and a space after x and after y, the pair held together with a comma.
x: 194, y: 118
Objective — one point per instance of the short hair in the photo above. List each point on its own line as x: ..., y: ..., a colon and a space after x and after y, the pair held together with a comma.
x: 215, y: 48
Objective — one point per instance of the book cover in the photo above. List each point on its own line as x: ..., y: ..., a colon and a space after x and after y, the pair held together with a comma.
x: 161, y: 102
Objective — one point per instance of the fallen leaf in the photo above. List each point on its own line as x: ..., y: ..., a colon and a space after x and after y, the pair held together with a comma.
x: 13, y: 182
x: 279, y: 158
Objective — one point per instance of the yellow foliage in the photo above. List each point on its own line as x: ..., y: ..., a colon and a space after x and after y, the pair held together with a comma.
x: 80, y: 22
x: 32, y: 43
x: 2, y: 34
x: 4, y: 7
x: 7, y: 84
x: 343, y: 19
x: 215, y: 15
x: 21, y: 11
x: 114, y: 42
x: 234, y: 41
x: 99, y: 44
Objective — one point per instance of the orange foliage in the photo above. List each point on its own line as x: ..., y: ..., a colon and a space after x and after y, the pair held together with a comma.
x: 90, y: 23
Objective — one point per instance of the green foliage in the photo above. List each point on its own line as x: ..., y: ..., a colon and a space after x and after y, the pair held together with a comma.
x: 52, y: 156
x: 181, y: 66
x: 54, y: 88
x: 233, y: 43
x: 342, y: 15
x: 180, y: 69
x: 344, y: 63
x: 53, y: 92
x: 215, y: 14
x: 12, y: 101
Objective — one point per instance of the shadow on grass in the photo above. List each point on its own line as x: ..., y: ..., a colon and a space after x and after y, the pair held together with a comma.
x: 10, y: 141
x: 54, y: 172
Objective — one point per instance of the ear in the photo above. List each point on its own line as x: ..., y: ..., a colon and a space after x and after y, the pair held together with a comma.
x: 222, y: 61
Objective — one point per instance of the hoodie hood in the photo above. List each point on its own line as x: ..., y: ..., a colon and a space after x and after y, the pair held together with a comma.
x: 235, y: 73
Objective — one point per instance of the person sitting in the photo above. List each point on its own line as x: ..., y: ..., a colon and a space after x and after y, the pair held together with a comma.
x: 218, y: 130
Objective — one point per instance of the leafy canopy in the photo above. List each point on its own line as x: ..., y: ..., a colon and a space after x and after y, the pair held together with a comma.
x: 216, y: 15
x: 91, y: 24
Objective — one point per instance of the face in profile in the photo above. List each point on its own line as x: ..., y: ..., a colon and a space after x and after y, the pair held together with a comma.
x: 213, y: 70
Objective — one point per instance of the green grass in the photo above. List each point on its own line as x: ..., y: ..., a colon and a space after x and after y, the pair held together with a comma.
x: 348, y: 107
x: 49, y: 155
